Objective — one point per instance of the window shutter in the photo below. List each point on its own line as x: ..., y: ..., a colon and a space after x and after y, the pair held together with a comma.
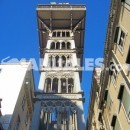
x: 120, y: 94
x: 113, y: 122
x: 116, y: 35
x: 105, y: 95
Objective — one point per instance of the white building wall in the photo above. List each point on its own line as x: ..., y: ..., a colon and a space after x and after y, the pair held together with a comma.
x: 11, y: 79
x: 77, y: 86
x: 45, y: 61
x: 41, y: 82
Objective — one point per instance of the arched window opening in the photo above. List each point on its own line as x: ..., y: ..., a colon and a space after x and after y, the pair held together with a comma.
x: 53, y: 45
x: 54, y: 34
x: 57, y: 61
x: 58, y: 34
x: 52, y: 121
x: 55, y: 85
x: 53, y: 116
x: 48, y: 85
x: 68, y: 45
x: 67, y: 34
x: 69, y: 64
x: 70, y: 85
x: 50, y: 61
x: 63, y: 61
x: 63, y: 45
x: 63, y: 117
x: 63, y: 85
x: 58, y: 45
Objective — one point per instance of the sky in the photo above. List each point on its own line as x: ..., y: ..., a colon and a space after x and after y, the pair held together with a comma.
x: 19, y: 34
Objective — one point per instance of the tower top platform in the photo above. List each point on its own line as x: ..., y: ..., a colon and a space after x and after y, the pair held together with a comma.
x: 61, y: 16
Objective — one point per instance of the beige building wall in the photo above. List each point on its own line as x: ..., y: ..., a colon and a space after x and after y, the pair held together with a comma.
x: 114, y: 100
x: 120, y: 108
x: 95, y: 121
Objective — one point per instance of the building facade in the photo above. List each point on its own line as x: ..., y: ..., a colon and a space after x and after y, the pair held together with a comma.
x: 59, y: 102
x: 16, y: 92
x: 95, y: 121
x: 114, y: 99
x: 0, y: 115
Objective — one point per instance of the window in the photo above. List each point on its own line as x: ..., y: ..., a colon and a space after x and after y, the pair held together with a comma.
x: 57, y: 61
x: 47, y: 87
x: 120, y: 94
x: 63, y: 85
x: 115, y: 123
x: 119, y: 38
x: 68, y: 45
x: 100, y: 117
x: 109, y: 101
x: 128, y: 57
x: 58, y: 34
x: 63, y: 61
x: 68, y: 34
x: 113, y: 71
x: 63, y: 45
x: 105, y: 95
x: 27, y: 117
x: 50, y: 61
x: 70, y: 85
x: 52, y: 45
x: 126, y: 1
x: 63, y: 34
x: 58, y: 45
x: 53, y: 116
x: 16, y: 127
x: 69, y: 64
x: 129, y: 114
x: 116, y: 34
x: 126, y: 102
x: 23, y: 102
x: 55, y: 85
x: 111, y: 68
x: 54, y: 34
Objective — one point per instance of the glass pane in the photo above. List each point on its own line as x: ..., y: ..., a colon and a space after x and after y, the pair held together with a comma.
x: 126, y: 100
x: 117, y: 125
x: 108, y: 100
x: 127, y: 1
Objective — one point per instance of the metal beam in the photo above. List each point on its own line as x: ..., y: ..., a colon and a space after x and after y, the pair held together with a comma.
x: 77, y: 25
x: 47, y: 28
x: 79, y: 30
x: 61, y: 19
